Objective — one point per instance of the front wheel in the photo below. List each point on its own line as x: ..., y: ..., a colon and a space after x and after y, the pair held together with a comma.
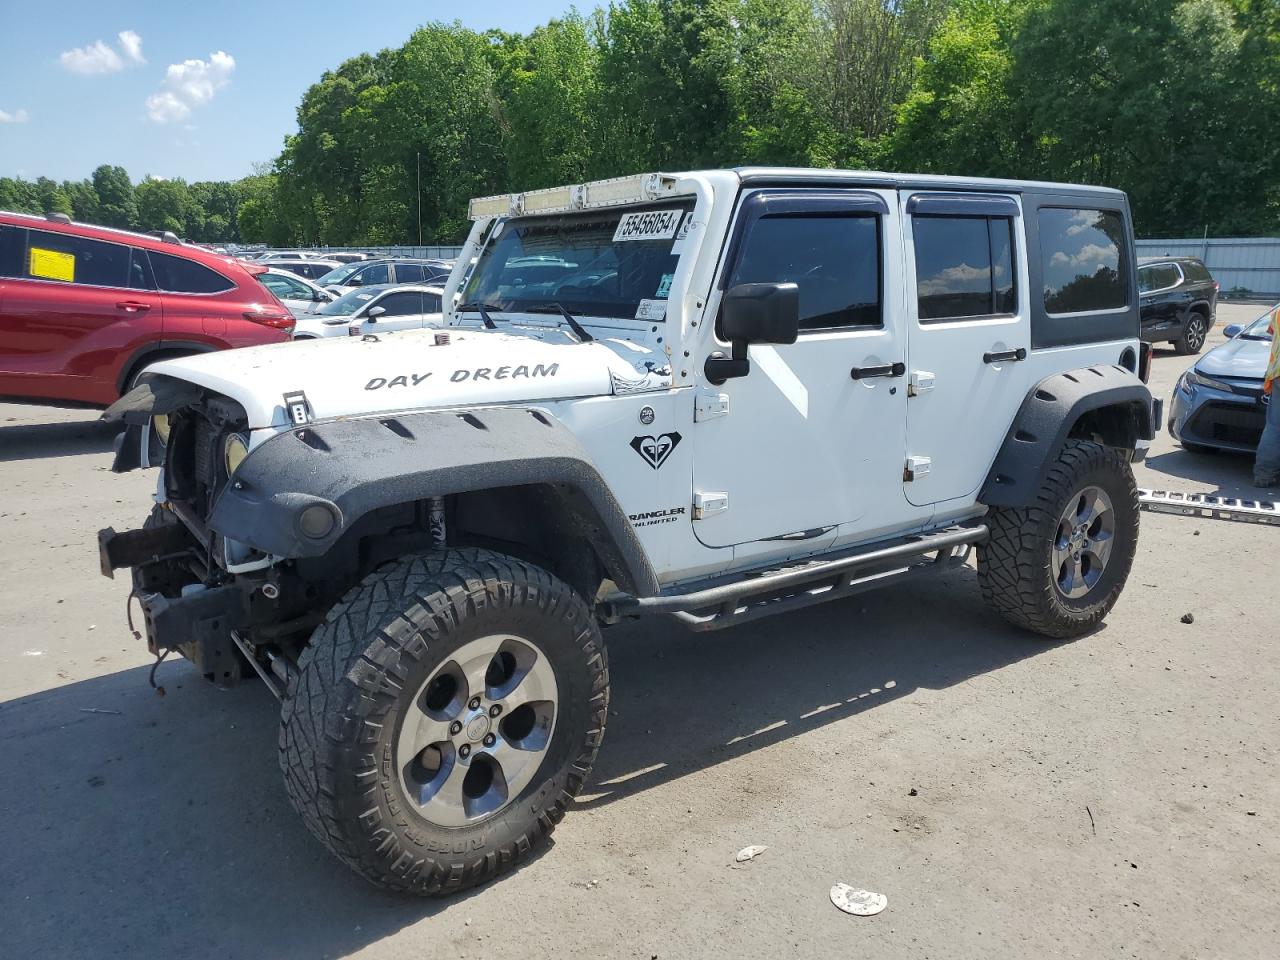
x: 1057, y: 568
x: 443, y: 717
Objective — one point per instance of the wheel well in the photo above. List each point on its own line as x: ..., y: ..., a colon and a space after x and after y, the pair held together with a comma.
x: 1115, y: 425
x: 154, y: 356
x: 544, y: 524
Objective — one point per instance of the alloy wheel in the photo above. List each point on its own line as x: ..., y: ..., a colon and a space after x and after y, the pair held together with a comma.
x: 1082, y: 547
x: 477, y: 730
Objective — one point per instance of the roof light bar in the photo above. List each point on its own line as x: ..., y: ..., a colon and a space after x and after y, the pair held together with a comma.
x: 582, y: 196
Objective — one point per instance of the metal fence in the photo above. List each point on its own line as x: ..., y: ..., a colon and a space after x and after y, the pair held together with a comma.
x: 1245, y: 267
x: 430, y: 253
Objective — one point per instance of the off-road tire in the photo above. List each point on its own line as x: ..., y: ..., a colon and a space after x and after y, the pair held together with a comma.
x: 373, y: 652
x: 1194, y: 336
x: 1015, y: 569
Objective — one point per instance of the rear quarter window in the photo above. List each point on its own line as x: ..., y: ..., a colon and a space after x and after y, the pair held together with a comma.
x: 1082, y: 266
x: 179, y: 275
x: 1197, y: 272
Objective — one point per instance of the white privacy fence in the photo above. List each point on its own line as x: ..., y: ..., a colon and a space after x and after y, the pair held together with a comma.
x: 1243, y: 267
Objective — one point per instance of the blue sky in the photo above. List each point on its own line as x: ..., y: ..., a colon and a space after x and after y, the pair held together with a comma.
x: 200, y: 91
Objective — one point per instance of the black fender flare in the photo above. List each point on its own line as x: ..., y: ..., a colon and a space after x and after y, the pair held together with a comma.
x: 1045, y: 420
x: 353, y: 466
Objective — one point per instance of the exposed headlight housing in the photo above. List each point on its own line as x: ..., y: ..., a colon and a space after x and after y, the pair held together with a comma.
x: 1194, y: 378
x: 234, y: 449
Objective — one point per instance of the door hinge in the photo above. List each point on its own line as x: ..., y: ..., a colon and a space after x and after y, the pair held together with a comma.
x: 708, y: 406
x: 916, y: 468
x: 709, y: 504
x: 921, y: 382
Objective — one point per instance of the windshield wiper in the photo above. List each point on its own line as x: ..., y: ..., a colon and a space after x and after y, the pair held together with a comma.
x: 550, y: 305
x: 481, y: 309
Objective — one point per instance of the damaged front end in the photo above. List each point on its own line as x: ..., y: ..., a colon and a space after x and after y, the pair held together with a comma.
x: 200, y: 594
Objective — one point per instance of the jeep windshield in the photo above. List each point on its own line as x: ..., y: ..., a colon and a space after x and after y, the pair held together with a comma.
x: 615, y: 263
x: 338, y: 275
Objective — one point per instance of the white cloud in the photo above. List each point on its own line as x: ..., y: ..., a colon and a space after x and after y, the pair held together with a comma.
x: 95, y: 58
x: 1091, y: 255
x: 131, y: 44
x: 18, y: 116
x: 961, y: 277
x: 190, y: 84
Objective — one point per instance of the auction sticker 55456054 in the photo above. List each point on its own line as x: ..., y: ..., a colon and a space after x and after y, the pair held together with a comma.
x: 649, y: 225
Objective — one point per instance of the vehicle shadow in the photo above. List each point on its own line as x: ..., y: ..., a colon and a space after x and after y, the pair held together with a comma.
x: 34, y: 441
x: 133, y: 824
x: 685, y: 702
x: 1230, y: 472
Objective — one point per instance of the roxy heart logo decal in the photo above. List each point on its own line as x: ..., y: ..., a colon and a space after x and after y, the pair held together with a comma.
x: 655, y: 450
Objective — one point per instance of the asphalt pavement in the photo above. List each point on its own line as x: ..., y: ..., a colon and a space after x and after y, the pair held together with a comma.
x: 1112, y: 797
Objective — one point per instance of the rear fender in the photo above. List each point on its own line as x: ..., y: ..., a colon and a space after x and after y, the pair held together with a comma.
x: 1107, y: 402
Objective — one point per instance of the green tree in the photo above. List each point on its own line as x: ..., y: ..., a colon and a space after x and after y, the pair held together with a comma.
x: 166, y: 205
x: 117, y: 206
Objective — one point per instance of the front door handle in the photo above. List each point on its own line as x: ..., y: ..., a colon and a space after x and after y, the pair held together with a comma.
x: 1005, y: 356
x: 884, y: 370
x: 133, y: 306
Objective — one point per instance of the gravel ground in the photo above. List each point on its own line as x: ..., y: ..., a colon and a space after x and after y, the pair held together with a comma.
x: 1112, y: 797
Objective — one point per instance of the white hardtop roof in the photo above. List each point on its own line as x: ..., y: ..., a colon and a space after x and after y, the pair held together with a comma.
x: 650, y: 187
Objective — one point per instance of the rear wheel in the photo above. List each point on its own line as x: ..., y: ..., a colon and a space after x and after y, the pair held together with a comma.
x: 443, y: 717
x: 1193, y: 336
x: 1058, y: 567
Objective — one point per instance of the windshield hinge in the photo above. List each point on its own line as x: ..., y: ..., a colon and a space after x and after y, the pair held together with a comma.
x: 710, y: 405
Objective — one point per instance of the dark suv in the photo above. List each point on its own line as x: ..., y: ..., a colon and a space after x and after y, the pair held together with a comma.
x: 1179, y: 302
x: 84, y: 309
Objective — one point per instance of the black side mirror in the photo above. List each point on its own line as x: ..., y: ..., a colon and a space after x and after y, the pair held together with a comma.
x: 754, y: 313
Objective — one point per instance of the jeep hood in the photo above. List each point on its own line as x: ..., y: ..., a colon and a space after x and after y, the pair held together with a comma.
x: 408, y: 370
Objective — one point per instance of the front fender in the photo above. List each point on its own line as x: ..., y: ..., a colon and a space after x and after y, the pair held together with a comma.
x: 352, y: 466
x: 1046, y: 418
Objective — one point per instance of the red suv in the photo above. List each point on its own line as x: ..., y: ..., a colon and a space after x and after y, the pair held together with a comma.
x: 83, y: 309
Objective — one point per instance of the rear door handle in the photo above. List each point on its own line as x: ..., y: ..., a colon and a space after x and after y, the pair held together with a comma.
x: 885, y: 370
x: 1005, y: 356
x: 133, y: 306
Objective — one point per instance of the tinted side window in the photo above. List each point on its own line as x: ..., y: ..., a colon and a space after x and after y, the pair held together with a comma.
x: 140, y: 270
x: 835, y: 260
x: 401, y: 304
x: 410, y: 273
x: 1197, y: 271
x: 375, y: 274
x: 71, y: 259
x: 1157, y: 277
x: 178, y: 275
x: 13, y: 248
x: 1082, y: 268
x: 431, y: 303
x: 964, y: 267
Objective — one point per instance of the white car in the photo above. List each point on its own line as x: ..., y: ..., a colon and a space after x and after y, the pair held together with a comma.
x: 376, y: 309
x: 311, y: 268
x: 299, y: 295
x: 367, y: 273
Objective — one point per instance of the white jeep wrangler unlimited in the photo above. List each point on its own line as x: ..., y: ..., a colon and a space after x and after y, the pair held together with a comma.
x: 712, y: 395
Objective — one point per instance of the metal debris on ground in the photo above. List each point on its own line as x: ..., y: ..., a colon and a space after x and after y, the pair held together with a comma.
x: 1188, y: 618
x: 860, y: 903
x: 99, y: 710
x: 1208, y: 505
x: 750, y: 853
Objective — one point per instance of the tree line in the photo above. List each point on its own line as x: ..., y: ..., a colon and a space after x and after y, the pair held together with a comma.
x: 208, y: 211
x: 1175, y: 101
